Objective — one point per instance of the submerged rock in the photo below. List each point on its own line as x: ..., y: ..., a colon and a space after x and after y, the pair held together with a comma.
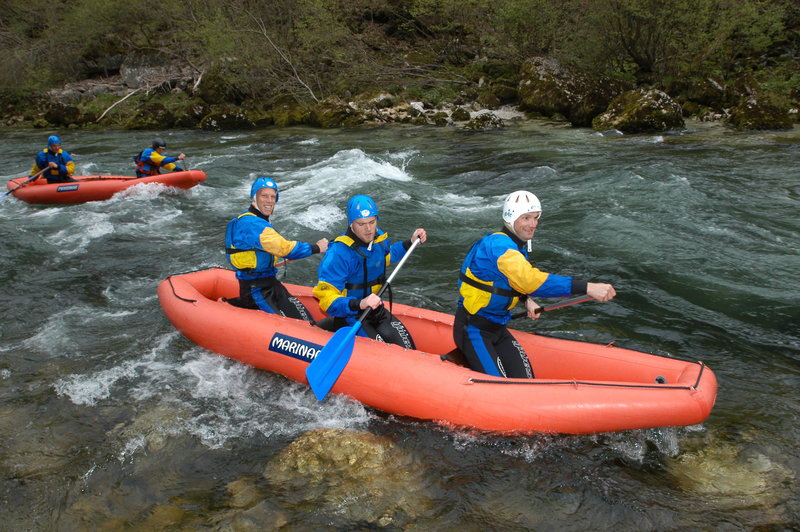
x: 350, y: 475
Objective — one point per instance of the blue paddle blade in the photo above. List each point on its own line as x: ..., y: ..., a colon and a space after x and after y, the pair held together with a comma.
x: 331, y: 360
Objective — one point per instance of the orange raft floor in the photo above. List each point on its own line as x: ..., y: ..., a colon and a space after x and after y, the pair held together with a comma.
x: 96, y: 187
x: 580, y: 387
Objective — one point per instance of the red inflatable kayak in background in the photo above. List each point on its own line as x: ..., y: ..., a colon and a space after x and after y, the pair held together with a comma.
x: 95, y: 187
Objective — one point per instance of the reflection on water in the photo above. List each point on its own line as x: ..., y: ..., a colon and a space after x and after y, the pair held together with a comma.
x: 110, y: 419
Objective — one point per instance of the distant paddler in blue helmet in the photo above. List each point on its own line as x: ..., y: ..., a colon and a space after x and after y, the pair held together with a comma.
x: 494, y: 277
x: 354, y: 269
x: 151, y: 160
x: 253, y: 247
x: 60, y: 164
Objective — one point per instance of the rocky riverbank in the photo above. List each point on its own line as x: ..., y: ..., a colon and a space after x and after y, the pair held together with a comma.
x: 168, y: 96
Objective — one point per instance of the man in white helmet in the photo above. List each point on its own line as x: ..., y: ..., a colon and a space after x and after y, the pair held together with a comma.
x: 496, y: 275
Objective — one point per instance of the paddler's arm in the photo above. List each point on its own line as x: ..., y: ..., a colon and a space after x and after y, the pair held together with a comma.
x: 330, y: 289
x: 398, y: 250
x: 68, y: 168
x: 167, y: 163
x: 526, y: 279
x: 275, y: 244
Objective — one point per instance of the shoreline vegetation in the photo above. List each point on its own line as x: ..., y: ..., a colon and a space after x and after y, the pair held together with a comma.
x: 634, y: 66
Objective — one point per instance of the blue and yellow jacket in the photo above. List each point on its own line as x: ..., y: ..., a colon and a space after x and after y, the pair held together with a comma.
x: 253, y: 246
x: 66, y: 167
x: 350, y: 270
x: 496, y: 274
x: 149, y: 161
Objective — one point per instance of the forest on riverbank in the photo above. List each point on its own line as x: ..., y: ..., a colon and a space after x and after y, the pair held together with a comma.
x: 233, y: 57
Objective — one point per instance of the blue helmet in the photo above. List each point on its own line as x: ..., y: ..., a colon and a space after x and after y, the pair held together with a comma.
x: 263, y: 182
x: 52, y: 139
x: 360, y: 206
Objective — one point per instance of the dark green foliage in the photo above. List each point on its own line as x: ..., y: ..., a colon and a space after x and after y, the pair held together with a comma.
x: 308, y: 50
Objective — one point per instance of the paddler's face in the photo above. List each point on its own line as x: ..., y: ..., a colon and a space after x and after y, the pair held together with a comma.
x: 526, y: 225
x: 55, y: 147
x: 365, y: 228
x: 265, y: 200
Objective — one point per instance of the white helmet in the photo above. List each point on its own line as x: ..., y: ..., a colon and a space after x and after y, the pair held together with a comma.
x: 519, y: 203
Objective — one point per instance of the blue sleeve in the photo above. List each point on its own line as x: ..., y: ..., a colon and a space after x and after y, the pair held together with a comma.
x: 554, y: 286
x: 396, y: 252
x: 333, y: 271
x: 300, y: 250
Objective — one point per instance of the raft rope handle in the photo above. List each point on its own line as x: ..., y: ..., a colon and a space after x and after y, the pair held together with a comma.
x: 535, y: 382
x: 176, y: 294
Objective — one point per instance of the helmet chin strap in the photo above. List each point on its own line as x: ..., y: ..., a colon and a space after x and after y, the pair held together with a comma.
x: 511, y: 228
x: 369, y: 247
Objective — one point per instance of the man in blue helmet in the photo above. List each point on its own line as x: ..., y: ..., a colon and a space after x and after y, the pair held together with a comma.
x: 151, y: 160
x: 253, y: 247
x: 354, y: 269
x: 496, y: 275
x: 59, y: 161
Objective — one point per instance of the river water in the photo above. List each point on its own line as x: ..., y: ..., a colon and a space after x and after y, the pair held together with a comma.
x: 110, y: 419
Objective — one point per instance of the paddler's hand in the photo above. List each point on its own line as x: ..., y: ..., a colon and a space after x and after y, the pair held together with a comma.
x: 53, y: 165
x: 601, y: 291
x: 322, y: 244
x: 181, y: 157
x: 419, y: 233
x: 372, y: 301
x: 531, y: 306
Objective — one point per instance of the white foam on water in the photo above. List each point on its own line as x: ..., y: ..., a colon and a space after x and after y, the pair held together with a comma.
x: 224, y: 399
x: 322, y: 217
x: 239, y: 401
x: 50, y: 336
x: 313, y: 141
x: 94, y: 387
x: 339, y: 175
x: 147, y: 191
x: 83, y: 229
x: 463, y: 204
x: 88, y: 390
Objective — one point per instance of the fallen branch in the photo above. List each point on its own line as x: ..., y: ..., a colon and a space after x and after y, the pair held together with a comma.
x: 134, y: 91
x: 263, y: 31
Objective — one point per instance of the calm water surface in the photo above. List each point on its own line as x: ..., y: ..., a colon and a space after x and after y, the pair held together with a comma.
x: 110, y: 419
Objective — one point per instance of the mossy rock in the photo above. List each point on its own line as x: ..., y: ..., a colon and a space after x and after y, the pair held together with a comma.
x: 63, y: 115
x: 334, y: 112
x: 220, y: 85
x: 505, y: 93
x: 488, y: 99
x: 351, y: 477
x: 460, y: 114
x: 288, y: 112
x: 191, y: 114
x: 752, y: 115
x: 152, y: 115
x: 641, y: 111
x: 485, y: 121
x: 226, y: 117
x: 548, y: 89
x: 440, y: 118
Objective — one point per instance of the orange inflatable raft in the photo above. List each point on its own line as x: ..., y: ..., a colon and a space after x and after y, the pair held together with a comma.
x: 95, y: 187
x: 580, y: 387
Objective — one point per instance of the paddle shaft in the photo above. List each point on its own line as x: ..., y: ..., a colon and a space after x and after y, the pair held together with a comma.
x: 560, y: 304
x: 389, y: 280
x: 31, y: 178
